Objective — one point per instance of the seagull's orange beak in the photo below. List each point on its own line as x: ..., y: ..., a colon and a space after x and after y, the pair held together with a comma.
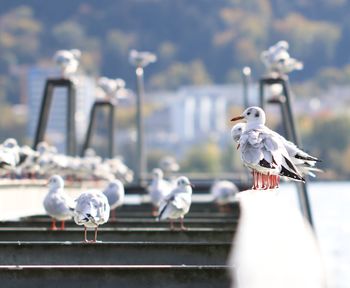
x: 237, y: 118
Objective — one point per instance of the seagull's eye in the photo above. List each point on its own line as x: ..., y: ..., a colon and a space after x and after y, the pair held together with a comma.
x: 257, y: 114
x: 248, y: 113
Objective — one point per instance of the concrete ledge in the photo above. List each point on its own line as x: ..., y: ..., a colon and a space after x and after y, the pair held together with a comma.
x: 204, y: 235
x: 115, y: 276
x: 113, y: 253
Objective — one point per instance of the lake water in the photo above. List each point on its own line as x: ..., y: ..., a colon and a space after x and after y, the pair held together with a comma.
x: 330, y: 203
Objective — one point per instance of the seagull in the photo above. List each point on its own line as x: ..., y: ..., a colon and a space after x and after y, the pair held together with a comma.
x: 302, y: 160
x: 264, y: 151
x: 109, y: 88
x: 177, y: 203
x: 92, y: 209
x: 57, y: 203
x: 277, y: 59
x: 158, y: 189
x: 222, y: 192
x: 68, y: 61
x: 169, y: 164
x: 115, y: 194
x: 141, y: 58
x: 9, y: 155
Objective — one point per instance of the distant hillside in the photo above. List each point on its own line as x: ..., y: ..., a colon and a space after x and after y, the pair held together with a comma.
x: 197, y: 42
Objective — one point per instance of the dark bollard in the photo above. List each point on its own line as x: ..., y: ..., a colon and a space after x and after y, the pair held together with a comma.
x: 111, y: 127
x: 45, y: 111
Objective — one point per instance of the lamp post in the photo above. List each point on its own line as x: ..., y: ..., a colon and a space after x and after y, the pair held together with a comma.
x: 140, y: 60
x: 246, y: 73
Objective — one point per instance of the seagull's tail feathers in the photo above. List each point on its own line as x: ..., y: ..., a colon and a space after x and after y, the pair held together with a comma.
x: 307, y: 157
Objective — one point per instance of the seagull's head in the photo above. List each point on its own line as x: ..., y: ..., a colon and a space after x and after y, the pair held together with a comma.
x: 115, y: 184
x: 184, y: 182
x: 237, y: 130
x: 56, y: 182
x: 253, y: 115
x: 157, y: 173
x: 10, y: 143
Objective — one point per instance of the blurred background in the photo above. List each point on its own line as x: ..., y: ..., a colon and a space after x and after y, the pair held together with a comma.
x: 195, y: 87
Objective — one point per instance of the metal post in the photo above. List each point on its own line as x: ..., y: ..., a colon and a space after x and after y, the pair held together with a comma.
x: 246, y: 73
x: 111, y: 126
x: 141, y: 164
x: 291, y: 135
x: 45, y: 110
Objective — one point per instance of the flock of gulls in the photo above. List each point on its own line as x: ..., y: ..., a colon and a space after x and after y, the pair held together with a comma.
x: 267, y: 154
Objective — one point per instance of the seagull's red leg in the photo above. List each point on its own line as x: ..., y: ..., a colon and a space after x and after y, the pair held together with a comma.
x: 154, y: 211
x: 85, y: 235
x: 113, y: 215
x: 172, y: 224
x: 95, y: 238
x: 255, y: 180
x: 62, y: 225
x: 53, y: 224
x: 182, y: 227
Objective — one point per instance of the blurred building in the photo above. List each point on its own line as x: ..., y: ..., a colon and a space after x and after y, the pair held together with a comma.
x: 56, y: 130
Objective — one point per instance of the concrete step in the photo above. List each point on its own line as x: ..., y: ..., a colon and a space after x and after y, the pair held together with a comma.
x: 129, y: 222
x: 115, y: 276
x: 113, y: 253
x: 204, y: 235
x: 148, y: 215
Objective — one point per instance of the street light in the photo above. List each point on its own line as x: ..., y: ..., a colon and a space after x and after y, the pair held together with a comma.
x: 246, y: 74
x: 140, y: 60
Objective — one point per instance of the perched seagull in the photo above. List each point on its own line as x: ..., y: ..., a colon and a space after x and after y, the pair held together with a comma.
x: 177, y: 203
x: 141, y: 59
x: 57, y: 203
x: 9, y: 155
x: 223, y: 191
x: 169, y: 165
x: 68, y: 61
x: 158, y: 189
x: 92, y: 209
x: 265, y: 152
x: 109, y: 88
x: 115, y: 194
x: 303, y: 161
x: 277, y: 59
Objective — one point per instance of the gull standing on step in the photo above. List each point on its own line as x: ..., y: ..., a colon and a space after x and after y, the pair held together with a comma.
x: 263, y: 151
x: 68, y: 61
x: 115, y: 194
x: 92, y: 209
x: 223, y: 192
x: 158, y: 190
x: 177, y: 204
x: 57, y: 203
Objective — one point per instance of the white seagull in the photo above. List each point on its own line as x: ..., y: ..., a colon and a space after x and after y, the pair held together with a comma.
x: 68, y: 61
x: 277, y: 59
x: 303, y: 161
x: 265, y: 152
x: 109, y: 88
x: 57, y: 203
x: 92, y: 209
x: 115, y: 194
x: 177, y: 203
x: 222, y: 192
x: 158, y: 189
x: 141, y: 58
